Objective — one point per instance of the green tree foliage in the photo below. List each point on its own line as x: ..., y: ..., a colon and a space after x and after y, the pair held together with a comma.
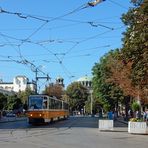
x: 78, y: 95
x: 3, y: 101
x: 14, y: 103
x: 23, y: 95
x: 108, y: 93
x: 123, y: 72
x: 135, y: 46
x: 135, y: 106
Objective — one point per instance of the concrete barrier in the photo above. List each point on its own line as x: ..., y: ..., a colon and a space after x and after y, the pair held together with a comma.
x: 106, y: 124
x: 137, y: 127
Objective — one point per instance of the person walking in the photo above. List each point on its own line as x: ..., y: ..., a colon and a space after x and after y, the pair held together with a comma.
x: 147, y: 116
x: 110, y: 115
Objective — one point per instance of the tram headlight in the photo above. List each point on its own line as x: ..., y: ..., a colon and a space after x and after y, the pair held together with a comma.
x: 40, y: 115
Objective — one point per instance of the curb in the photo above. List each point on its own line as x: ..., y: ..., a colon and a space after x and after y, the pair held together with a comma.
x: 122, y: 121
x: 13, y: 120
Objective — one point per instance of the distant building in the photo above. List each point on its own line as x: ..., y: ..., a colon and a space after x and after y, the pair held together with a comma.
x: 60, y: 81
x: 20, y: 83
x: 6, y: 92
x: 86, y: 81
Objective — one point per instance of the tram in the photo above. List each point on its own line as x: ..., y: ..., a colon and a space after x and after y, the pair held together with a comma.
x: 44, y: 109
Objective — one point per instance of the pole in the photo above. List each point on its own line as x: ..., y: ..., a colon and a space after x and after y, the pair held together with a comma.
x: 91, y: 102
x: 36, y: 78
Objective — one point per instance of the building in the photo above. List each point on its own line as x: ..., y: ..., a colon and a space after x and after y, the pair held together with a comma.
x: 60, y: 81
x: 20, y: 83
x: 86, y: 81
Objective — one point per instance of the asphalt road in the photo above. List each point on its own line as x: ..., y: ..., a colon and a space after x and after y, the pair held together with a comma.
x: 76, y: 132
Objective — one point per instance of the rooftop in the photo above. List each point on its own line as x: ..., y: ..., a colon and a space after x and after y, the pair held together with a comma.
x: 85, y: 78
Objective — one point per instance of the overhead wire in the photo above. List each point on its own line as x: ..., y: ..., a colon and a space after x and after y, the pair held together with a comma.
x: 46, y: 21
x: 24, y: 61
x: 116, y: 3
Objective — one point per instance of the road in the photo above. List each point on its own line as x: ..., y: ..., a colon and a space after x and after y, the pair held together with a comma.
x: 76, y: 132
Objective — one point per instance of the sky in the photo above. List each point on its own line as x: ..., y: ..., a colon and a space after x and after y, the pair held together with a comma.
x: 60, y: 38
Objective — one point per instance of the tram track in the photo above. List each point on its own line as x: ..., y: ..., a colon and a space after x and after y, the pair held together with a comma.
x: 57, y: 128
x: 31, y: 133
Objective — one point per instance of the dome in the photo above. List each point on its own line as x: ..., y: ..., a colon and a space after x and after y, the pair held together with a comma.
x: 85, y: 81
x: 59, y: 78
x: 85, y: 78
x: 60, y: 81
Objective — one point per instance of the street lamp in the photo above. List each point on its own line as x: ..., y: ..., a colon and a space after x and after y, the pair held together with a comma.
x: 94, y: 3
x: 91, y: 102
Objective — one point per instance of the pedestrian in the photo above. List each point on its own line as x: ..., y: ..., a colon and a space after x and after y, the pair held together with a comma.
x: 115, y: 115
x: 144, y: 116
x: 147, y: 116
x: 110, y: 115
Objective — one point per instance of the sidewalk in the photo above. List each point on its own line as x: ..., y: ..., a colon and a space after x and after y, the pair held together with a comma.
x: 12, y: 119
x: 120, y: 125
x: 121, y: 119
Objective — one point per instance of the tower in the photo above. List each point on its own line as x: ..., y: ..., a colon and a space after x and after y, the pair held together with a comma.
x: 60, y: 81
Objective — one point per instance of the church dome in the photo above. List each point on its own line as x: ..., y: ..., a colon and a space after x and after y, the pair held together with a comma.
x: 60, y: 81
x: 85, y: 78
x: 85, y: 81
x: 59, y: 78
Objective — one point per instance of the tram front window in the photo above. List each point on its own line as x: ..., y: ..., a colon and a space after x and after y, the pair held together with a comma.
x: 35, y: 103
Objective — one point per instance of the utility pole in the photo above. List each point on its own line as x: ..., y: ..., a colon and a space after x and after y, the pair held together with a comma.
x: 37, y: 78
x: 91, y: 102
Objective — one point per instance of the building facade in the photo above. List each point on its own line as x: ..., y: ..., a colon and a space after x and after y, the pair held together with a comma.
x: 86, y: 81
x: 20, y: 83
x: 60, y: 81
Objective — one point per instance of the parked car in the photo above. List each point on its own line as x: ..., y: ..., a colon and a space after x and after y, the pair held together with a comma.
x: 10, y: 115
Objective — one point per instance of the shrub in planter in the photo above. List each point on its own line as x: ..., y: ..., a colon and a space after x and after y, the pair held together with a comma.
x: 136, y: 109
x: 137, y: 126
x: 135, y: 106
x: 136, y: 120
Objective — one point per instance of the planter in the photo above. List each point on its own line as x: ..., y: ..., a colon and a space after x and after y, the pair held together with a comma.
x: 137, y: 127
x: 106, y: 124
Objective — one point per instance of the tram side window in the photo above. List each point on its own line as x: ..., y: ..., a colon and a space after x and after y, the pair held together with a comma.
x: 52, y: 104
x: 59, y: 105
x: 65, y: 105
x: 49, y: 104
x: 55, y: 104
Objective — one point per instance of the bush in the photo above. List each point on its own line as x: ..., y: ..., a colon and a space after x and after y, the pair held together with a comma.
x: 136, y: 120
x: 135, y: 106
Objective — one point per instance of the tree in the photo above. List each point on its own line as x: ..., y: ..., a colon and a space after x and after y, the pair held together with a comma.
x: 107, y: 92
x: 78, y: 95
x: 14, y: 103
x: 135, y: 106
x: 3, y: 101
x: 135, y: 46
x: 128, y: 66
x: 23, y: 95
x: 54, y: 90
x: 120, y: 74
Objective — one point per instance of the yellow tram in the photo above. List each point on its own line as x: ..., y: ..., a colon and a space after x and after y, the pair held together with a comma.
x: 43, y: 109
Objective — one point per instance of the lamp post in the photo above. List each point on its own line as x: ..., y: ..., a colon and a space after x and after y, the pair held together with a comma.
x: 91, y: 102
